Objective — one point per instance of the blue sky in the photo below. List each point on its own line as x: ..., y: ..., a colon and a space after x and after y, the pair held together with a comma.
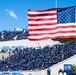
x: 13, y: 13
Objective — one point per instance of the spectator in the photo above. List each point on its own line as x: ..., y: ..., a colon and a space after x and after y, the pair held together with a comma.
x: 40, y: 58
x: 60, y: 72
x: 2, y: 57
x: 48, y: 71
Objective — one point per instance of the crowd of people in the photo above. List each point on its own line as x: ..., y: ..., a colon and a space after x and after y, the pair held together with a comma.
x: 13, y: 35
x: 38, y: 58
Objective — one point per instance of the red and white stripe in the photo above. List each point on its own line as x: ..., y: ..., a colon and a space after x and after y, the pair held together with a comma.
x: 42, y: 24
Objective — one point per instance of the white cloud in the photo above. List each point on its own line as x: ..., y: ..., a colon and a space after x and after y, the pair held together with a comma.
x: 11, y: 13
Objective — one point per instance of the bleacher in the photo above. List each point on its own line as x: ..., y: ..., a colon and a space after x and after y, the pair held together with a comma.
x: 38, y: 59
x: 13, y: 35
x: 23, y: 58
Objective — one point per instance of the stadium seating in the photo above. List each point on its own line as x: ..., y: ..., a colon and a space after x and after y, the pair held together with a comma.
x: 38, y: 59
x: 13, y: 35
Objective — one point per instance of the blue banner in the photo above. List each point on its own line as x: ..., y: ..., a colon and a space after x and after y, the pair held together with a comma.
x: 16, y: 73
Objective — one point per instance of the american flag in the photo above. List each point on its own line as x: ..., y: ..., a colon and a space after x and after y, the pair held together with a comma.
x: 52, y: 23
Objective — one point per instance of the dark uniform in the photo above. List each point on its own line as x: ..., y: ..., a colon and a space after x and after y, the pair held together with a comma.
x: 48, y: 71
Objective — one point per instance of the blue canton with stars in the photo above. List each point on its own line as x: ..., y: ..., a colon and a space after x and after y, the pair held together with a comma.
x: 66, y: 15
